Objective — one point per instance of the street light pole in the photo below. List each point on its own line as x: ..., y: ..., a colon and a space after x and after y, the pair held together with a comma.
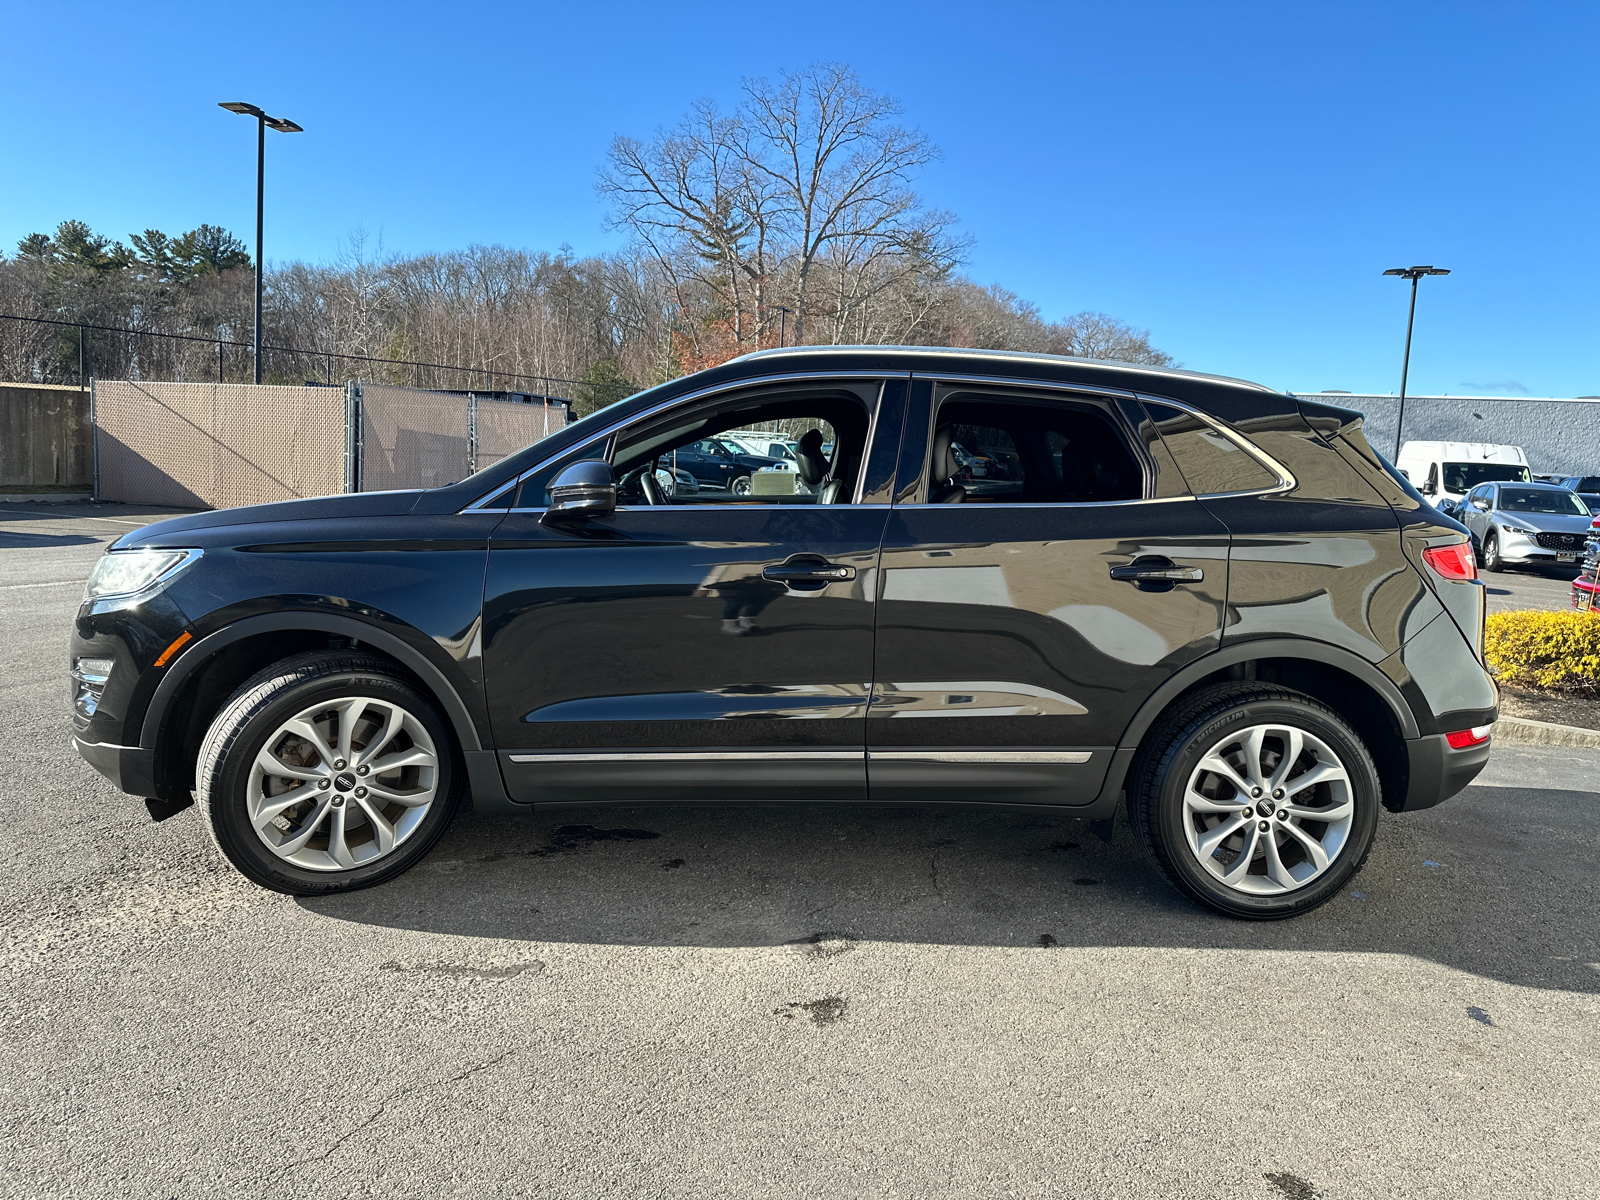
x: 1414, y: 274
x: 783, y: 325
x: 282, y: 126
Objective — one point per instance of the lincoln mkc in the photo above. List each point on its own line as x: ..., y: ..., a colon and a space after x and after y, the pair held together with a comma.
x: 1207, y: 604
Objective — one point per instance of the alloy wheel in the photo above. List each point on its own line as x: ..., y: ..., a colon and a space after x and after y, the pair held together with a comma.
x: 343, y: 783
x: 1268, y: 809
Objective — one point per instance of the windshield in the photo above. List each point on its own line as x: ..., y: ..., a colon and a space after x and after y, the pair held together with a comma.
x: 1587, y: 483
x: 1557, y: 501
x: 1463, y: 477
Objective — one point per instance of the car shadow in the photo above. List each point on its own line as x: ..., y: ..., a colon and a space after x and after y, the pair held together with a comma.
x: 41, y: 541
x: 1499, y: 882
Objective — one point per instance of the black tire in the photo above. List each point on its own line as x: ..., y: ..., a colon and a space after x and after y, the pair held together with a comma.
x: 739, y: 485
x: 1491, y: 553
x: 257, y: 708
x: 1477, y: 550
x: 1173, y: 748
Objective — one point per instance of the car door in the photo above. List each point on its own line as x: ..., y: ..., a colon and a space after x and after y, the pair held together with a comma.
x: 1021, y: 626
x: 1472, y: 512
x: 693, y: 649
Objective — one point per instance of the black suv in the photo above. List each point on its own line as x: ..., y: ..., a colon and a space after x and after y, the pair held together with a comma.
x: 1211, y: 598
x: 717, y: 464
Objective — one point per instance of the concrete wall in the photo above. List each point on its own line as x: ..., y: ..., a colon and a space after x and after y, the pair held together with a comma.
x: 44, y: 438
x: 1557, y: 435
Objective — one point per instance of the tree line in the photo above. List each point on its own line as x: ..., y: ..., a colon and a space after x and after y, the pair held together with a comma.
x: 792, y: 219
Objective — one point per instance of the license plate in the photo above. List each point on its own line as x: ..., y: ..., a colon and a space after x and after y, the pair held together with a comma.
x: 1566, y: 558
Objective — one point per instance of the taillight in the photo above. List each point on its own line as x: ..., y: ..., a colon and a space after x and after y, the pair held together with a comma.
x: 1461, y: 739
x: 1453, y: 561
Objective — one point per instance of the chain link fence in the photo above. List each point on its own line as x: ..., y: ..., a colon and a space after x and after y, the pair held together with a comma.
x: 219, y: 445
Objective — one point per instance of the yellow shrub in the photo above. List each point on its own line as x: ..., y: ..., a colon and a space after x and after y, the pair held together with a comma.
x: 1556, y: 650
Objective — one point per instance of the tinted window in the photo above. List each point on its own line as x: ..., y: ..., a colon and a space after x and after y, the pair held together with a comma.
x: 1460, y: 476
x: 1037, y: 453
x: 1210, y: 462
x: 1542, y: 500
x: 1585, y: 483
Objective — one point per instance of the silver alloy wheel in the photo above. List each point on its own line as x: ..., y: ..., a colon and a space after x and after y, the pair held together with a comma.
x: 740, y: 486
x: 342, y: 783
x: 1268, y: 809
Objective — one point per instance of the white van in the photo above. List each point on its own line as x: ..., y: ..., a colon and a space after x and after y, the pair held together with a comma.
x: 1446, y: 471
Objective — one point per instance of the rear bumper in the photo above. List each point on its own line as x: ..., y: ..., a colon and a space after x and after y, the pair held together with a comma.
x: 131, y: 768
x: 1439, y: 771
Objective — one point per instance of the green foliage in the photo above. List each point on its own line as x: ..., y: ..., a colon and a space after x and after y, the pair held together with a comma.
x: 206, y: 250
x: 76, y: 245
x: 1555, y: 650
x: 603, y: 383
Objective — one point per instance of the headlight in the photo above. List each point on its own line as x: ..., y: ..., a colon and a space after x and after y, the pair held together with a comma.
x: 124, y: 572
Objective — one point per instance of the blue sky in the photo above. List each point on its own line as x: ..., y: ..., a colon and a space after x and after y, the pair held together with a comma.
x: 1233, y: 177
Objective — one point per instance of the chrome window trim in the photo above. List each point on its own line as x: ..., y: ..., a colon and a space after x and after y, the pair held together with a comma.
x: 693, y: 756
x: 686, y: 398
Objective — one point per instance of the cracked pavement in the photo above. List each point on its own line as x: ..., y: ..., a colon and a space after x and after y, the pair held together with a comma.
x: 773, y: 1000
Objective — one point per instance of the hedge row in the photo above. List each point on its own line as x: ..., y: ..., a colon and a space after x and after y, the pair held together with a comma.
x: 1555, y: 650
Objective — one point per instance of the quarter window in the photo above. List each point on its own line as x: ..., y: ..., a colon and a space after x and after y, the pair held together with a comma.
x: 1211, y: 463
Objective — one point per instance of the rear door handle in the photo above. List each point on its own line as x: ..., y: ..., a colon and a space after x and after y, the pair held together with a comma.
x: 802, y: 572
x: 1156, y: 572
x: 1174, y: 574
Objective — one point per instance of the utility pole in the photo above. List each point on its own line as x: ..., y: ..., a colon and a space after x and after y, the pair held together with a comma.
x: 282, y: 126
x: 1414, y: 274
x: 783, y: 325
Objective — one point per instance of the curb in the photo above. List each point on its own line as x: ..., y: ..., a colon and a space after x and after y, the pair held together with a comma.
x: 1520, y: 731
x: 44, y: 497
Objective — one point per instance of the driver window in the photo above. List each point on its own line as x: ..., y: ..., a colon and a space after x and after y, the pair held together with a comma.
x: 788, y: 448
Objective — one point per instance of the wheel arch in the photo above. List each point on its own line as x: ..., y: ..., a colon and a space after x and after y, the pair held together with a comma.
x: 177, y: 716
x: 1339, y: 678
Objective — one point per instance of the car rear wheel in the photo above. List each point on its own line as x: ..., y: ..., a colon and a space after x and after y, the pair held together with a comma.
x: 325, y: 773
x: 1257, y: 801
x: 1491, y: 553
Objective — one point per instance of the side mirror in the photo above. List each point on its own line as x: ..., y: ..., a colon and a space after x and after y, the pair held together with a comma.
x: 581, y: 492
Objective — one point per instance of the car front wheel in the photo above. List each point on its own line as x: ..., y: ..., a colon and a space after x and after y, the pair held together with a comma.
x: 740, y: 486
x: 1257, y: 801
x: 1491, y: 553
x: 325, y: 773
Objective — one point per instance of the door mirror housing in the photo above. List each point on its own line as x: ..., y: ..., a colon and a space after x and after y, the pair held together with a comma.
x: 581, y: 492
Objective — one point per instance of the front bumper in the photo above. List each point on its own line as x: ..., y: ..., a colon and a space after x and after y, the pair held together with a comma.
x: 1518, y: 546
x: 1439, y: 771
x: 131, y: 768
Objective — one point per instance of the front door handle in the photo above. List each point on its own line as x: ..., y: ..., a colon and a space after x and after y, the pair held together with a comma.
x: 808, y: 572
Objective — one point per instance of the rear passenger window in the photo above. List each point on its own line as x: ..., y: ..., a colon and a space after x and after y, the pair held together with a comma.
x: 1210, y: 462
x: 1036, y: 453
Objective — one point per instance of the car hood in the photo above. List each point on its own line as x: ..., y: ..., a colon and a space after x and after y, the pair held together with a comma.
x: 361, y: 504
x: 1545, y: 522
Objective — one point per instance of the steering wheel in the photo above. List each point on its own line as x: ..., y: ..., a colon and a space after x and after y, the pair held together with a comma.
x: 650, y: 485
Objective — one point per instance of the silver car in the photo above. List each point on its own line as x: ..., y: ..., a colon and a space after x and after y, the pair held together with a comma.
x: 1525, y: 523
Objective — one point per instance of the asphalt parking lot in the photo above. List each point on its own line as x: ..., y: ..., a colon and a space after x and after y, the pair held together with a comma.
x: 774, y: 1001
